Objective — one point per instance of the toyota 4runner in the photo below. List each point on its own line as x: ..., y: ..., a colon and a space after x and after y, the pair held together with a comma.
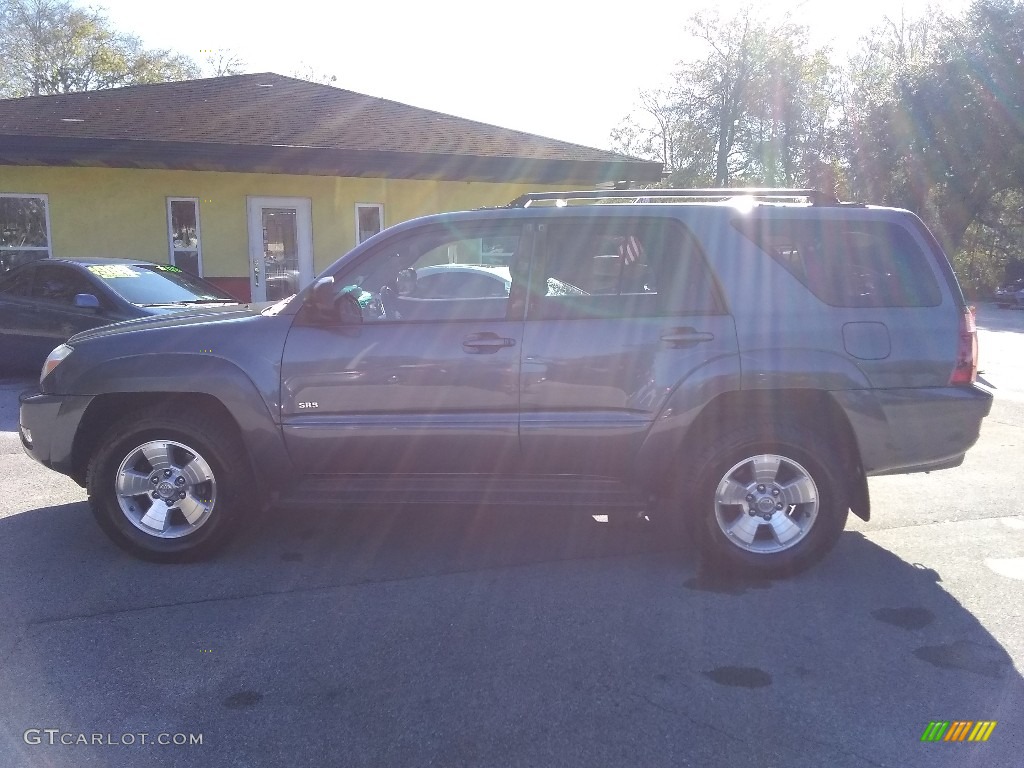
x: 739, y: 361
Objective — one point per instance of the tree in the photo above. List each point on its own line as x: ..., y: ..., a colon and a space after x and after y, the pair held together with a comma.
x: 52, y: 46
x: 993, y: 247
x: 221, y: 62
x: 878, y: 145
x: 306, y: 71
x: 653, y: 137
x: 751, y: 105
x: 946, y: 136
x: 971, y: 110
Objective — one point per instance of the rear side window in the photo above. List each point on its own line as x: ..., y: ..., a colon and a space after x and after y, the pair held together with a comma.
x: 621, y: 267
x: 60, y: 284
x: 849, y: 263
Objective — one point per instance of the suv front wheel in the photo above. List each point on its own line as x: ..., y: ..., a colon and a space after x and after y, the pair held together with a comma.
x: 766, y: 501
x: 167, y: 487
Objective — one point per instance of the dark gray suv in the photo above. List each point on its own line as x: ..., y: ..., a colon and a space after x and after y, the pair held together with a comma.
x: 738, y: 362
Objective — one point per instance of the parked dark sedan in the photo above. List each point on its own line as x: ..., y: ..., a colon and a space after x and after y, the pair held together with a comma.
x: 1011, y: 295
x: 45, y: 302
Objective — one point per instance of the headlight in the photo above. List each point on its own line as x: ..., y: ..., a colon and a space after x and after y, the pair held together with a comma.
x: 55, y: 359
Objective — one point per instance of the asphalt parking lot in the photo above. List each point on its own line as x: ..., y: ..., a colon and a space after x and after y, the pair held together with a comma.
x: 494, y: 638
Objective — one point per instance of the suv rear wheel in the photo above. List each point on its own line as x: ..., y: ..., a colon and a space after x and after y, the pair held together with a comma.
x: 167, y: 487
x: 766, y: 501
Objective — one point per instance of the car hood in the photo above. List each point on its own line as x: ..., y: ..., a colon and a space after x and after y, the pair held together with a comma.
x: 171, y: 317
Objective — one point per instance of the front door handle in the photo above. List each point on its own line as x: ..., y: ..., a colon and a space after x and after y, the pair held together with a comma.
x: 686, y: 337
x: 486, y: 343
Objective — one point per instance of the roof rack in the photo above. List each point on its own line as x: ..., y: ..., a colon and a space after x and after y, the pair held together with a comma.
x: 813, y: 196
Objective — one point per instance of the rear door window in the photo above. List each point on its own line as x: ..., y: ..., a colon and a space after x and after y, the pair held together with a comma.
x: 848, y: 263
x: 621, y: 267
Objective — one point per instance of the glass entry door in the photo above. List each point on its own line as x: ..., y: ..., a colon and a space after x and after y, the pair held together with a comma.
x: 280, y: 246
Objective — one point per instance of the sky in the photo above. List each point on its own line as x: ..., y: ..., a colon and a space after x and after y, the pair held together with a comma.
x: 565, y: 69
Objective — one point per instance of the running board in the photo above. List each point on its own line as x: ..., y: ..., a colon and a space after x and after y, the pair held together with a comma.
x: 550, y: 491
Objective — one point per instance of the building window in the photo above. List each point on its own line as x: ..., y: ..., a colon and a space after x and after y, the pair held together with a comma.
x: 369, y: 220
x: 184, y: 235
x: 24, y: 229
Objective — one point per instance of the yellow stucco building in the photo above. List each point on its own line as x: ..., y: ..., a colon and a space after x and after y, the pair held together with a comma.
x: 256, y: 182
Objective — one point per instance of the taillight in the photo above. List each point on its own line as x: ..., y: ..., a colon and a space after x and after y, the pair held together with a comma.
x: 966, y: 369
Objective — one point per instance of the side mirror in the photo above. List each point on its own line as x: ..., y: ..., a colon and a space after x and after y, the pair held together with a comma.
x: 337, y: 306
x: 348, y: 310
x: 87, y: 301
x: 323, y: 296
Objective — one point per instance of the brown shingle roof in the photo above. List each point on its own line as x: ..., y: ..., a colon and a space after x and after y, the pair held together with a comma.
x: 267, y: 116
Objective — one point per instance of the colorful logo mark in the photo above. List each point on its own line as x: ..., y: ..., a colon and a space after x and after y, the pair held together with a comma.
x: 958, y: 730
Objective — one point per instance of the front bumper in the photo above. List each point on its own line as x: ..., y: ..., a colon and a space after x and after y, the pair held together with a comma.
x: 47, y: 425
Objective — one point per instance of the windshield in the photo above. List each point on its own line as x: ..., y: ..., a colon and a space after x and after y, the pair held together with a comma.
x: 150, y: 284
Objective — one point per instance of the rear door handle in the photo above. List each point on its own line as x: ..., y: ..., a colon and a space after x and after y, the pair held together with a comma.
x: 686, y: 337
x: 486, y: 343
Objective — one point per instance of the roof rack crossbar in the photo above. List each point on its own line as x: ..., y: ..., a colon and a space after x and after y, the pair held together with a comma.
x: 814, y: 196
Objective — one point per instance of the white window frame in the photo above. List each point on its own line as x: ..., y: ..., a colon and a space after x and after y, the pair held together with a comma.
x: 170, y: 233
x: 46, y: 209
x: 380, y: 211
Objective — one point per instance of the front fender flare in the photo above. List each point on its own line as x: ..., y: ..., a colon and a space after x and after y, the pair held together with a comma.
x: 208, y: 375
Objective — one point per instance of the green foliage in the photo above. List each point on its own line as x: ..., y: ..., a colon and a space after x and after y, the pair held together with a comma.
x: 993, y: 246
x: 947, y: 136
x: 928, y: 115
x: 53, y: 46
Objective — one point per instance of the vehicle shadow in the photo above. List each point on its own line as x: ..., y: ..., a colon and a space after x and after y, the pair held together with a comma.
x: 487, y: 637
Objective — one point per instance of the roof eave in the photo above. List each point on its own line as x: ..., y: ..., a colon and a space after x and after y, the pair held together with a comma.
x: 315, y: 161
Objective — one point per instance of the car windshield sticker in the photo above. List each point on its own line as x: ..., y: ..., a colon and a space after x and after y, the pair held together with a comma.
x: 168, y: 268
x: 109, y: 271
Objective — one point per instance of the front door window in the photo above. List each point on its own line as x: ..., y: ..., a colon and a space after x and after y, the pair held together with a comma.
x: 440, y: 275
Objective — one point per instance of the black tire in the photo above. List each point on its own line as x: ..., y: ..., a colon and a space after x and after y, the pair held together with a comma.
x: 186, y: 433
x: 799, y: 448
